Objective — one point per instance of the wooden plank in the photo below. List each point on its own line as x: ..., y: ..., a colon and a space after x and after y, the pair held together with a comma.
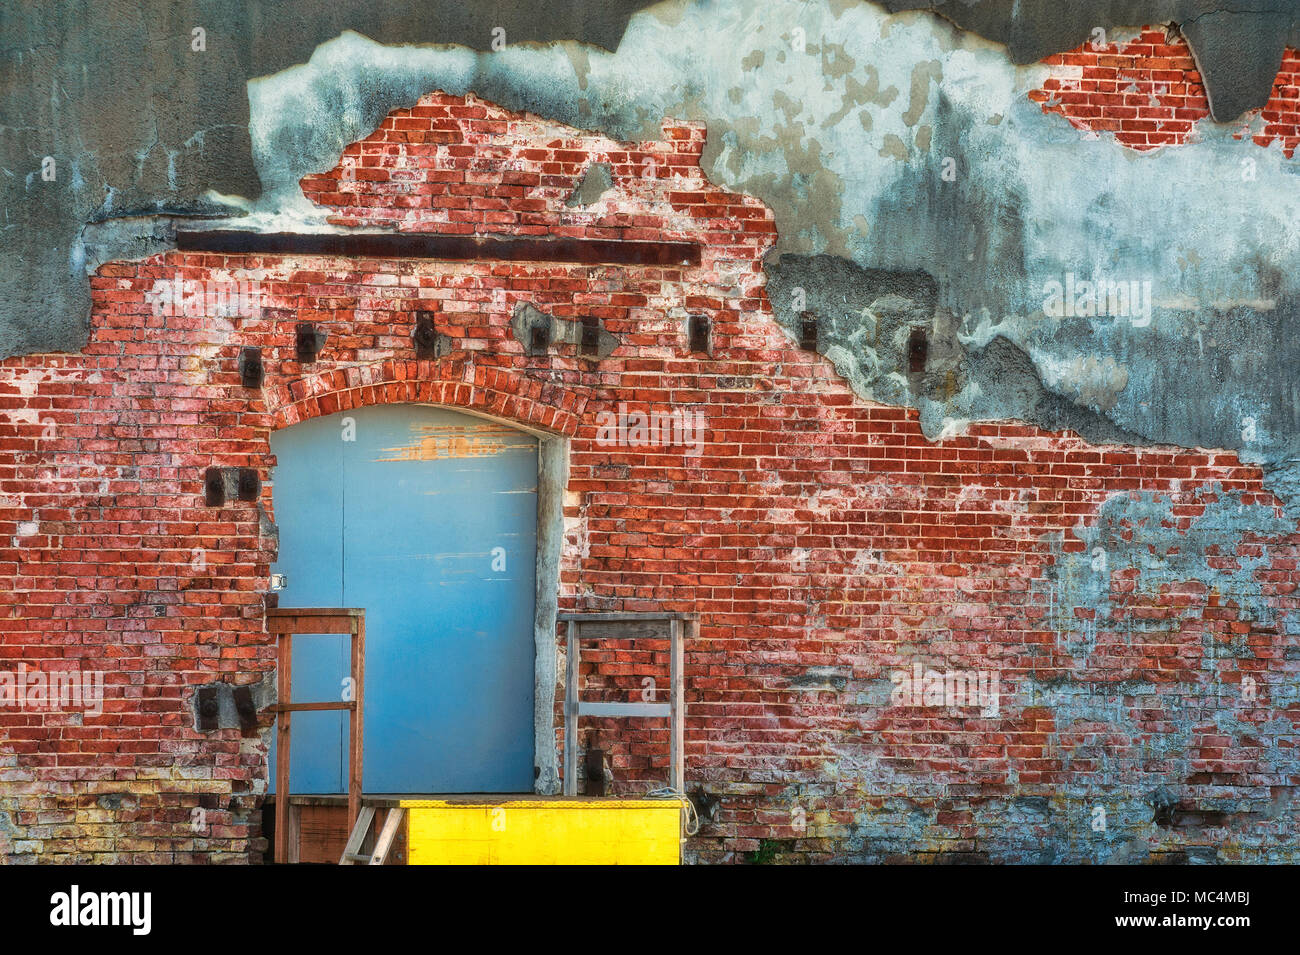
x: 356, y: 719
x: 624, y: 710
x: 301, y: 707
x: 596, y: 630
x: 295, y: 833
x: 432, y: 245
x: 309, y: 626
x: 284, y: 683
x: 571, y: 696
x: 620, y: 616
x: 676, y: 760
x: 311, y: 620
x: 275, y: 613
x: 322, y: 832
x: 392, y: 823
x: 358, y: 837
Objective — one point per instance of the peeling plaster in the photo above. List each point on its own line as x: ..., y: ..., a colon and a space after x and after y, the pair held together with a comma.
x: 874, y: 192
x: 960, y: 178
x: 596, y: 180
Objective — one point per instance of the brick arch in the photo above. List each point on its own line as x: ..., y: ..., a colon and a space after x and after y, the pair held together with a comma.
x: 457, y: 382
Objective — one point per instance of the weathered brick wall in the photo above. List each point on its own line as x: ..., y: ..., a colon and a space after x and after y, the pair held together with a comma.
x: 1144, y: 646
x: 1148, y: 93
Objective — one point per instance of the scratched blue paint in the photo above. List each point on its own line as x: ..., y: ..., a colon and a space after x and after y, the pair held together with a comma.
x: 406, y: 521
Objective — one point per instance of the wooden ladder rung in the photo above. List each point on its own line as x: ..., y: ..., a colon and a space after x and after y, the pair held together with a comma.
x: 352, y: 850
x: 352, y: 854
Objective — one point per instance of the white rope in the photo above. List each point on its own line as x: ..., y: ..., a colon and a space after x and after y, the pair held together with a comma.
x: 692, y: 818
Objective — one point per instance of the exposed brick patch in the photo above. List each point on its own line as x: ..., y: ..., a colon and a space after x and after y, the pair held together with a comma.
x: 1281, y: 113
x: 1148, y: 93
x: 824, y: 541
x: 465, y: 167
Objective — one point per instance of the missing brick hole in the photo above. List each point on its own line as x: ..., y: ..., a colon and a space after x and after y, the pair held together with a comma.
x: 918, y: 348
x: 808, y: 331
x: 308, y: 341
x: 425, y: 336
x: 700, y: 333
x: 707, y: 806
x: 251, y: 372
x: 250, y: 484
x: 590, y: 336
x: 539, y: 339
x: 214, y: 487
x: 208, y: 706
x: 245, y: 707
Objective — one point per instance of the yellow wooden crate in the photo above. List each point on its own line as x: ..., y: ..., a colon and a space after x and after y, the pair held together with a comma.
x: 544, y: 832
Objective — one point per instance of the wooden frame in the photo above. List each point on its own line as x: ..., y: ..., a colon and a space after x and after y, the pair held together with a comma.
x: 284, y: 623
x: 674, y: 710
x: 431, y: 245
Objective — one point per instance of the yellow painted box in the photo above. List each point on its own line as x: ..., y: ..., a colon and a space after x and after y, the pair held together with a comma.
x: 540, y: 831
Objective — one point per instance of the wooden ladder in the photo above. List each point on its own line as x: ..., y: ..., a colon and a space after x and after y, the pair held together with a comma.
x: 680, y: 626
x: 352, y: 854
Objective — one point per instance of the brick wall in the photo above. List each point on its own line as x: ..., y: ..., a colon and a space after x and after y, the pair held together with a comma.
x: 826, y: 544
x: 1148, y: 93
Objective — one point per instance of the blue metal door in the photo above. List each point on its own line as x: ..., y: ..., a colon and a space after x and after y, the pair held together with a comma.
x: 426, y: 519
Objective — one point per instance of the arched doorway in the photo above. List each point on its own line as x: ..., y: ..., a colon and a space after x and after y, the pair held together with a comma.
x: 427, y: 519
